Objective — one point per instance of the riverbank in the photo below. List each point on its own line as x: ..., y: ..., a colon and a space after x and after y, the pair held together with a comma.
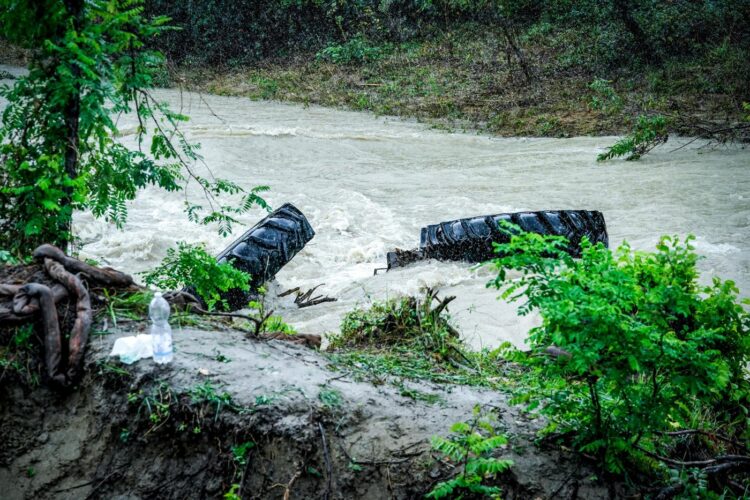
x: 464, y: 79
x: 259, y: 420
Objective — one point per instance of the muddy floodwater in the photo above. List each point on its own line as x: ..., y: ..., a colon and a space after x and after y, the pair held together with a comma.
x: 368, y: 184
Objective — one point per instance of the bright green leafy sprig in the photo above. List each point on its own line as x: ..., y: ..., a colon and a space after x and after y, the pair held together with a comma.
x: 641, y: 347
x: 192, y: 265
x: 471, y: 446
x: 649, y: 132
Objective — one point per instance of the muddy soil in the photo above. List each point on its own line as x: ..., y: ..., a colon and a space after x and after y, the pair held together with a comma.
x: 145, y: 431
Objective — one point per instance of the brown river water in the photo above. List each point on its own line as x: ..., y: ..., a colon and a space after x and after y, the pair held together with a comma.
x: 368, y: 184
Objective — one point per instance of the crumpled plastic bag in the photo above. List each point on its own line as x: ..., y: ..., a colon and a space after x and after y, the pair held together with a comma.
x: 131, y: 349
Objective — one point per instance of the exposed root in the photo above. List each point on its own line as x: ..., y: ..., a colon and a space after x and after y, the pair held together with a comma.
x: 288, y: 486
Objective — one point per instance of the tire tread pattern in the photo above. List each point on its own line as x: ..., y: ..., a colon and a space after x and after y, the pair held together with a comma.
x: 471, y: 239
x: 265, y: 248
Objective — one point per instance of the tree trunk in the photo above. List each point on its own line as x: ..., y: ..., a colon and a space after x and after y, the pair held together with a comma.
x: 71, y: 113
x: 624, y: 12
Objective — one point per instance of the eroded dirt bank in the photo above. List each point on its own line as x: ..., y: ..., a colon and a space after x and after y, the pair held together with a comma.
x: 178, y: 432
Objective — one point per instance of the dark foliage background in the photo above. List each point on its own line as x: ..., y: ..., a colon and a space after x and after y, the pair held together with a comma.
x: 230, y: 32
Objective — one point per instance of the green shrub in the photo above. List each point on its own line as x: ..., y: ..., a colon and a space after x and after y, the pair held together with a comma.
x: 649, y: 132
x: 471, y: 447
x: 191, y: 265
x: 355, y: 51
x: 604, y: 97
x: 405, y: 322
x: 8, y: 258
x: 276, y: 323
x: 644, y: 347
x: 265, y: 320
x: 19, y: 355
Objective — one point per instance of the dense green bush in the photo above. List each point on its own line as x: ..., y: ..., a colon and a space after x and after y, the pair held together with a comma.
x: 641, y: 347
x: 407, y: 322
x: 356, y: 50
x: 604, y: 97
x: 191, y: 265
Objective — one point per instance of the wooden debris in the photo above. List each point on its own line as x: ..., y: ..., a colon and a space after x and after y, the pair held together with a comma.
x: 102, y: 276
x: 306, y: 299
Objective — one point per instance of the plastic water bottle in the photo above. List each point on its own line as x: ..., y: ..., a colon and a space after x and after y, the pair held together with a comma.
x: 161, y: 332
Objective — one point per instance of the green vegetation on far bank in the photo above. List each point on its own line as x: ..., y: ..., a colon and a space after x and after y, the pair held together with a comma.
x: 528, y: 68
x: 462, y: 80
x: 540, y: 68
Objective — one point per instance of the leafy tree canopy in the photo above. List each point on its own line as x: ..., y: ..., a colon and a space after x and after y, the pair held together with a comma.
x: 59, y: 150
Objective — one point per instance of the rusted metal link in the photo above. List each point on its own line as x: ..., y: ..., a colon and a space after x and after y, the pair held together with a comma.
x: 51, y: 325
x: 82, y: 325
x: 104, y: 276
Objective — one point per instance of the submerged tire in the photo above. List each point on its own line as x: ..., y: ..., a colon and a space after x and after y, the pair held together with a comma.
x: 471, y: 239
x: 265, y: 248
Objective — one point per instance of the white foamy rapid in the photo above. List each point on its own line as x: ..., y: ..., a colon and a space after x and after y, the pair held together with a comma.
x: 368, y: 184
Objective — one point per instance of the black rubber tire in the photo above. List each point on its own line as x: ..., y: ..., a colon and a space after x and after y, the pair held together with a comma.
x: 471, y: 239
x: 265, y: 248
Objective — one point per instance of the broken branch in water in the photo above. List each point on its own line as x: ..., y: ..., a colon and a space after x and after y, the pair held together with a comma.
x: 305, y: 299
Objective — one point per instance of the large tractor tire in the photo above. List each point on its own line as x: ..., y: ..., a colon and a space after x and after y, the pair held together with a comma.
x: 471, y: 239
x: 264, y: 249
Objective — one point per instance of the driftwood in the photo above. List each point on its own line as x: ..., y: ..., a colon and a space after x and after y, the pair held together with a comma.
x: 33, y: 300
x: 305, y: 339
x: 24, y: 306
x: 305, y: 299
